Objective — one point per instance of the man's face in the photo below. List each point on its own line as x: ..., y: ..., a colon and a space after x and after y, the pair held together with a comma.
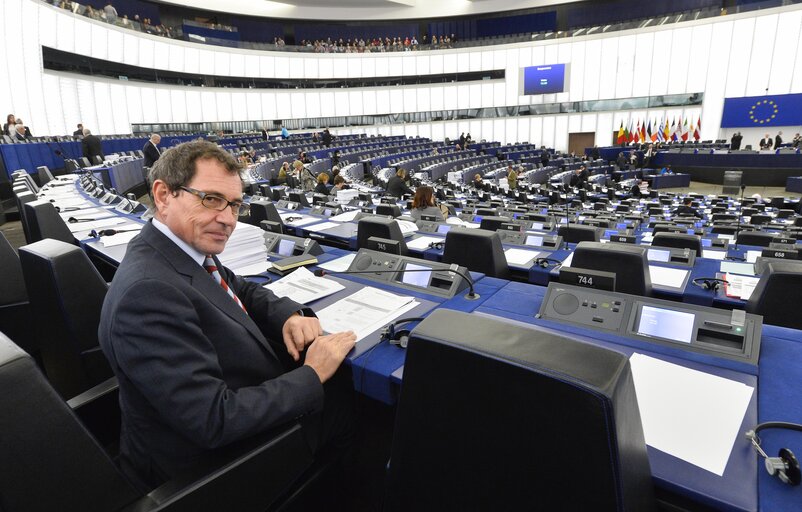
x: 204, y: 229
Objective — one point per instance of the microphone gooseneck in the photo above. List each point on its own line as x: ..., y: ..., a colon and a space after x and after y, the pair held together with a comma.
x: 471, y: 295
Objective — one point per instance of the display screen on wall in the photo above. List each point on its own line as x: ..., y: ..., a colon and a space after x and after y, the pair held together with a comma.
x: 547, y: 79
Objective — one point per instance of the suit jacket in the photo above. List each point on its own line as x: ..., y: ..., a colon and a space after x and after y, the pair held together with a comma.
x: 151, y: 154
x: 766, y: 143
x: 687, y: 211
x: 195, y: 372
x: 91, y: 147
x: 778, y: 142
x: 396, y: 187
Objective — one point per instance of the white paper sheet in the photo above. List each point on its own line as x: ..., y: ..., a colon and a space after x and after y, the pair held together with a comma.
x: 714, y: 255
x: 689, y: 414
x: 752, y: 256
x: 302, y: 221
x: 322, y: 226
x: 345, y: 216
x: 118, y: 239
x: 746, y: 269
x: 666, y: 276
x: 303, y: 286
x: 422, y: 242
x: 741, y: 286
x: 407, y: 227
x: 567, y: 261
x: 519, y: 256
x: 75, y: 227
x: 252, y: 269
x: 340, y: 264
x: 365, y: 311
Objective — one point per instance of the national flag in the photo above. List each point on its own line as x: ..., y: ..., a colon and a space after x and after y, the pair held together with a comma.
x: 652, y: 134
x: 626, y: 138
x: 678, y: 130
x: 637, y: 131
x: 621, y: 133
x: 643, y: 131
x: 631, y: 137
x: 696, y: 130
x: 672, y: 134
x: 666, y: 130
x: 685, y: 130
x: 659, y: 127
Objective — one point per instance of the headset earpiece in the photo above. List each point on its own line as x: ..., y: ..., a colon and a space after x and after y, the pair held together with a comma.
x: 785, y: 465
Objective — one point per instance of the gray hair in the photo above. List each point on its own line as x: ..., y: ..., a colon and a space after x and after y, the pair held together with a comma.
x: 87, y: 132
x: 176, y: 167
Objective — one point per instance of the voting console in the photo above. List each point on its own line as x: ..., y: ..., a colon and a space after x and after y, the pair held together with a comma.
x: 733, y: 335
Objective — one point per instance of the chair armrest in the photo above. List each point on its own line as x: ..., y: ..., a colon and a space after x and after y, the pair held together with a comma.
x: 260, y: 472
x: 101, y: 391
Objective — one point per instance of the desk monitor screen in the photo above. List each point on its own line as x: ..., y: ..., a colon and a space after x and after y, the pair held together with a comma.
x: 666, y: 323
x: 659, y: 255
x: 286, y: 248
x: 621, y: 225
x: 534, y: 240
x: 327, y: 212
x: 418, y: 277
x: 706, y: 242
x: 443, y: 228
x: 477, y: 219
x: 609, y: 233
x: 537, y: 226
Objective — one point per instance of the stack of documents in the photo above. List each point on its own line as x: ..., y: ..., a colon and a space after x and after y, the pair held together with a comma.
x: 303, y: 286
x: 740, y: 287
x: 365, y: 311
x: 245, y: 247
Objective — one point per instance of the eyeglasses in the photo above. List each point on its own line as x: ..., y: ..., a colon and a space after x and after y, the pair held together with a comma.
x: 214, y: 202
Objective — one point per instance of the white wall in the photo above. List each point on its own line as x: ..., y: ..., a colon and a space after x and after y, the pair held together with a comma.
x: 728, y: 56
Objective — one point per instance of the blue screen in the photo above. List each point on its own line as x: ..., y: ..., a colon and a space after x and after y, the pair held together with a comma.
x: 706, y: 242
x: 443, y: 228
x: 610, y: 232
x: 621, y: 225
x: 666, y: 323
x: 544, y: 79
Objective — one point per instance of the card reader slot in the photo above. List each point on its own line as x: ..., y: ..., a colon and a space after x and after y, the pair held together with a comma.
x: 720, y: 339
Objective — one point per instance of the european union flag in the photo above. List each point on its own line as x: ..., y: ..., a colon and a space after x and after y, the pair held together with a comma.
x: 758, y: 111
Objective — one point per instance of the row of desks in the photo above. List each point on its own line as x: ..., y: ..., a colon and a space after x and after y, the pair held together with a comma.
x: 378, y: 365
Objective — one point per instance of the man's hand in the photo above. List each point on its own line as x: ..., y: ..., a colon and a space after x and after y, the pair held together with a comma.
x: 298, y: 332
x: 327, y: 352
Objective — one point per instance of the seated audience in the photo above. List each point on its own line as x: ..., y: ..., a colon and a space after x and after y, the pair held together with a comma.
x: 423, y: 204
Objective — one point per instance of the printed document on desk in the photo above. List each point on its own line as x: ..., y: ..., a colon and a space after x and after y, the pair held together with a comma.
x: 303, y: 286
x: 667, y: 276
x: 422, y: 242
x: 519, y: 256
x: 340, y: 264
x: 740, y: 287
x: 364, y: 311
x: 689, y: 414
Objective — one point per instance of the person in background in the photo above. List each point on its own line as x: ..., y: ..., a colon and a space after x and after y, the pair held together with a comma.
x: 512, y: 177
x: 19, y: 133
x: 621, y: 161
x: 111, y: 12
x: 151, y: 150
x: 284, y: 133
x: 778, y: 140
x: 79, y: 132
x: 735, y: 142
x: 91, y: 146
x: 797, y: 140
x: 423, y: 204
x: 322, y: 184
x: 283, y: 173
x: 28, y: 134
x: 686, y: 210
x: 326, y: 137
x: 339, y: 184
x: 478, y: 182
x: 9, y: 128
x: 666, y: 170
x: 396, y: 185
x: 594, y: 153
x: 305, y: 177
x: 544, y: 158
x: 578, y: 178
x: 633, y: 159
x: 766, y: 142
x: 265, y: 134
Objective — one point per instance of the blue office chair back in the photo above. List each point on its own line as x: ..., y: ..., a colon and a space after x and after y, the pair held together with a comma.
x: 773, y: 296
x: 478, y: 250
x: 516, y: 419
x: 379, y: 227
x: 628, y: 262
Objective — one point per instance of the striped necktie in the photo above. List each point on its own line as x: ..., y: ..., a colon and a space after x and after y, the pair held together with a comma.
x: 211, y: 268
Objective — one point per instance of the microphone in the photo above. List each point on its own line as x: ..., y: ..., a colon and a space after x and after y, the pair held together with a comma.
x: 740, y: 214
x: 73, y: 220
x: 471, y: 295
x: 108, y: 232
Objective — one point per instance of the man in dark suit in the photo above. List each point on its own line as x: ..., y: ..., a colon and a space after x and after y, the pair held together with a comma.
x: 204, y: 358
x: 91, y: 146
x: 151, y: 150
x: 396, y: 185
x: 326, y: 138
x: 686, y: 210
x: 778, y: 140
x: 735, y: 142
x: 79, y: 132
x: 19, y: 133
x: 766, y: 142
x: 579, y: 177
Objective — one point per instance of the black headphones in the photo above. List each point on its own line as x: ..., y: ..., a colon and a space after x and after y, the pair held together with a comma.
x: 709, y: 283
x: 398, y: 336
x: 437, y: 245
x: 547, y: 262
x: 293, y: 219
x: 73, y: 220
x: 784, y: 466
